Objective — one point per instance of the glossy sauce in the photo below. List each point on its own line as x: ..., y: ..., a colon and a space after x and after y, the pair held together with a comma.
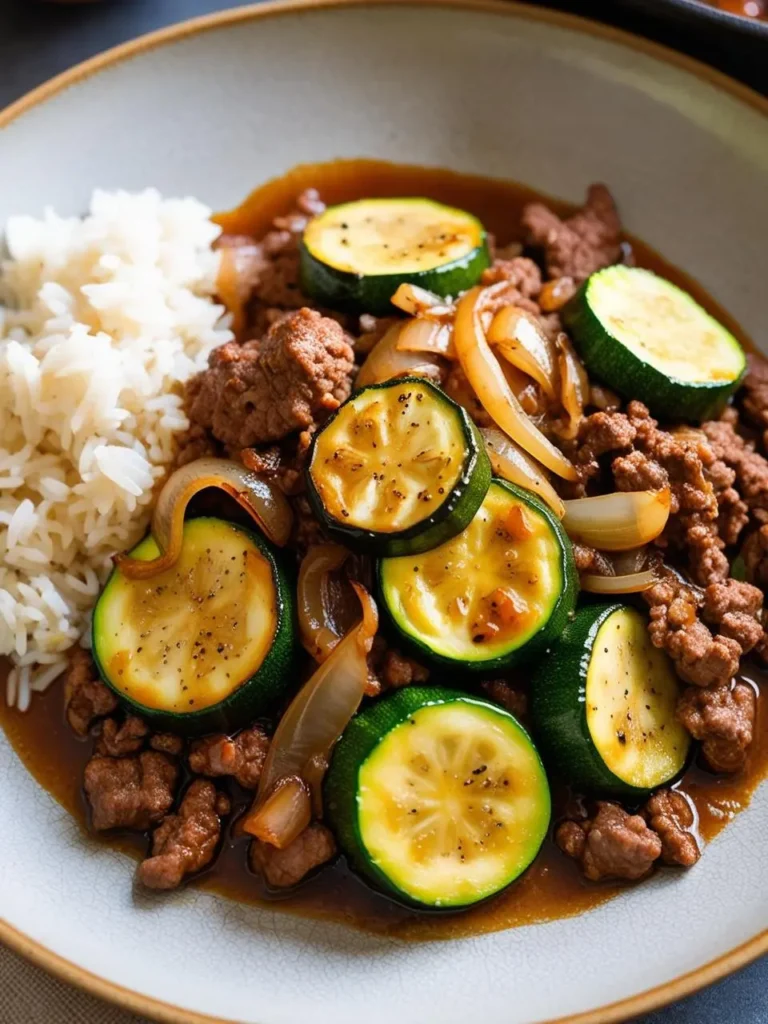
x: 553, y: 886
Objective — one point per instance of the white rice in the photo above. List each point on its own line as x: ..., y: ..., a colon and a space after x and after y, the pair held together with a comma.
x: 102, y: 319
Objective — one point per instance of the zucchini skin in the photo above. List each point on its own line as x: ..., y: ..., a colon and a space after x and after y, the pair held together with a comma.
x: 665, y: 396
x: 538, y: 643
x: 455, y: 513
x: 559, y: 711
x: 256, y: 696
x: 361, y: 737
x: 358, y: 293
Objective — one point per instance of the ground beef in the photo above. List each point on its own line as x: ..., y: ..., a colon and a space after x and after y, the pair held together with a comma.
x: 130, y: 792
x: 524, y: 278
x: 284, y: 868
x: 118, y: 739
x: 643, y: 457
x: 735, y: 608
x: 755, y: 394
x: 589, y: 560
x: 755, y: 555
x: 185, y: 842
x: 399, y: 670
x: 671, y: 817
x: 262, y: 391
x: 581, y: 244
x: 86, y: 698
x: 751, y: 469
x: 167, y: 743
x: 240, y: 756
x: 500, y: 691
x: 307, y: 530
x: 284, y: 464
x: 675, y: 627
x: 722, y: 717
x: 612, y: 844
x: 195, y: 443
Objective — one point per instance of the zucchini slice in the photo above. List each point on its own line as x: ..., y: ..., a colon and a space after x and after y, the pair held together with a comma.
x: 648, y: 339
x: 354, y: 256
x: 439, y: 799
x: 499, y: 592
x: 603, y: 706
x: 206, y: 645
x: 399, y: 468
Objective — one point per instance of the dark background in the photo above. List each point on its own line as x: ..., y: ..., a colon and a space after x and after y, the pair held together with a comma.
x: 38, y: 40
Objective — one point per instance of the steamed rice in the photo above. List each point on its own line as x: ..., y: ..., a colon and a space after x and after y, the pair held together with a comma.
x: 103, y: 319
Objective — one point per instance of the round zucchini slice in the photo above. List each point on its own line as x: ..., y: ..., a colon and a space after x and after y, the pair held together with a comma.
x: 439, y: 799
x: 603, y: 706
x: 354, y: 256
x: 207, y: 645
x: 399, y: 468
x: 648, y: 339
x: 498, y: 593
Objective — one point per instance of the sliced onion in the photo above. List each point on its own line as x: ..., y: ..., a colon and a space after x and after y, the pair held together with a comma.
x: 321, y: 710
x: 520, y: 339
x: 634, y: 583
x: 422, y: 335
x: 618, y: 521
x: 385, y: 361
x: 261, y: 498
x: 626, y: 562
x: 237, y: 271
x: 483, y: 372
x: 317, y: 629
x: 284, y: 814
x: 413, y: 299
x: 574, y: 384
x: 510, y: 462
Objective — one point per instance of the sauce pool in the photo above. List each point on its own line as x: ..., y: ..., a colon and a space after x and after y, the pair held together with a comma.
x: 553, y: 887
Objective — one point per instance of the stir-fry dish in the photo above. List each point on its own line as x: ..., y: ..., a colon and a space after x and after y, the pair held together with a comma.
x: 453, y: 527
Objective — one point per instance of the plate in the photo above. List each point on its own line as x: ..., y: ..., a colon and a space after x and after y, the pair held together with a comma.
x: 215, y: 106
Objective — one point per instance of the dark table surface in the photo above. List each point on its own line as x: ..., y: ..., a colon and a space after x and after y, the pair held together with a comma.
x: 38, y: 40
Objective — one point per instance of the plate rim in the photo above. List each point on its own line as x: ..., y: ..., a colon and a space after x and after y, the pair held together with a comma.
x: 159, y: 1010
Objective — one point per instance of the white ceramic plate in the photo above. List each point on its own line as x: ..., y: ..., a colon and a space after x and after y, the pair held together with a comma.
x: 215, y: 107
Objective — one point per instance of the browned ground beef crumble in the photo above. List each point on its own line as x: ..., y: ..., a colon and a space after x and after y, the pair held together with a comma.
x: 241, y: 756
x: 185, y: 842
x: 130, y: 792
x: 260, y: 401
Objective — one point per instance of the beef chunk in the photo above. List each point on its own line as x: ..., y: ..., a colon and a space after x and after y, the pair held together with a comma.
x: 167, y: 743
x: 185, y: 842
x: 580, y: 245
x: 86, y: 698
x: 755, y: 391
x: 130, y: 792
x: 613, y: 844
x: 591, y: 561
x: 674, y: 626
x: 722, y: 717
x: 117, y: 740
x: 241, y: 756
x: 750, y: 468
x: 735, y: 608
x: 671, y: 817
x: 259, y: 392
x: 284, y: 868
x: 636, y: 472
x: 513, y: 700
x: 755, y: 555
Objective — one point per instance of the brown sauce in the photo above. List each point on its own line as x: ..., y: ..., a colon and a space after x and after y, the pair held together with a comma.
x: 552, y: 887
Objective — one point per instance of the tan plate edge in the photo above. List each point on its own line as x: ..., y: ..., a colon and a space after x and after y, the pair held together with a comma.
x: 165, y: 1012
